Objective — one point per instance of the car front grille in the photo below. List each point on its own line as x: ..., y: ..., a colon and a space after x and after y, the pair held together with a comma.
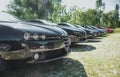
x: 53, y: 38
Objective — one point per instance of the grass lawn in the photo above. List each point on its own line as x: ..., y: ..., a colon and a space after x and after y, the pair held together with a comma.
x: 101, y: 58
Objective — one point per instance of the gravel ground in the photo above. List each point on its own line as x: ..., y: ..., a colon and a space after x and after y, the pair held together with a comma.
x: 99, y: 57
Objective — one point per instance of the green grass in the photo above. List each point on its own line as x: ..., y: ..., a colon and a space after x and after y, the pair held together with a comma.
x: 117, y: 30
x: 104, y: 61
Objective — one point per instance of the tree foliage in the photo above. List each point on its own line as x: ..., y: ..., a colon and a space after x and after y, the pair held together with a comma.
x: 54, y: 11
x: 31, y: 8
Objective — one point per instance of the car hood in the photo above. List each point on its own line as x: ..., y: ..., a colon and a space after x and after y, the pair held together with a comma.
x: 29, y: 28
x: 70, y: 28
x: 102, y: 30
x: 48, y: 27
x: 83, y: 30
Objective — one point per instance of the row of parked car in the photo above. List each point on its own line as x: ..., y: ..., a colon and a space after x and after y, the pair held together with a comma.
x: 76, y: 33
x: 39, y: 40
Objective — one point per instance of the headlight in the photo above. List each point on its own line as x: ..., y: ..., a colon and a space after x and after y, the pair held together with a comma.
x: 65, y: 33
x: 43, y: 36
x: 27, y: 36
x: 36, y: 36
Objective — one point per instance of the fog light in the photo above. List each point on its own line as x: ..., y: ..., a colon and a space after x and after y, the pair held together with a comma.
x: 36, y: 56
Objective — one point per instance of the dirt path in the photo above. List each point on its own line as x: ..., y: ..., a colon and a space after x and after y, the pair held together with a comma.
x: 100, y: 57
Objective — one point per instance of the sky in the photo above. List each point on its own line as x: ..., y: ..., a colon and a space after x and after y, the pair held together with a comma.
x: 3, y: 4
x: 86, y: 4
x: 79, y: 3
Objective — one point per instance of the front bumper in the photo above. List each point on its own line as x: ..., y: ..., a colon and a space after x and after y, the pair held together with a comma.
x: 49, y: 48
x: 29, y: 56
x: 43, y: 46
x: 74, y: 39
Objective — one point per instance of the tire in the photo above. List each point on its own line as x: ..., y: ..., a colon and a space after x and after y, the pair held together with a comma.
x: 3, y: 64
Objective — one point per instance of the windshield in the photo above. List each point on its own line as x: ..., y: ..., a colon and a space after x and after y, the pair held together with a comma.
x: 48, y: 22
x: 94, y: 27
x: 71, y: 25
x: 89, y: 27
x: 81, y: 27
x: 8, y: 17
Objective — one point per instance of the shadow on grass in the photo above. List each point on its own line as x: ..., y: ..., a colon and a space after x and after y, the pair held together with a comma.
x: 104, y: 35
x: 65, y: 67
x: 98, y: 38
x: 95, y: 40
x: 82, y: 48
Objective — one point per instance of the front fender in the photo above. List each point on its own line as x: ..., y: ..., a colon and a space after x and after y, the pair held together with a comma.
x: 10, y: 34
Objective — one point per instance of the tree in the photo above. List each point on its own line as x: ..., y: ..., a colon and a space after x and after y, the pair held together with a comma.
x: 116, y: 16
x: 52, y: 10
x: 31, y: 8
x: 100, y: 6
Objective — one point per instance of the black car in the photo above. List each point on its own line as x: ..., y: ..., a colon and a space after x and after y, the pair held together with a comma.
x: 48, y: 23
x: 89, y: 33
x: 97, y: 33
x: 76, y: 34
x: 102, y: 31
x: 18, y: 40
